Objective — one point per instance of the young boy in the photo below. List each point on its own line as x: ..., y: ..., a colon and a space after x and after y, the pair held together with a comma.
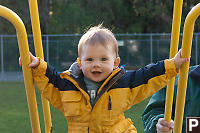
x: 95, y: 92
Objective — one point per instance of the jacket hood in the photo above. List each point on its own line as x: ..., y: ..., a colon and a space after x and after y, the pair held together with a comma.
x: 75, y: 69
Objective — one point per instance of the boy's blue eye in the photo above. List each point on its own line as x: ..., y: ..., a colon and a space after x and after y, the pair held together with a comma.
x: 89, y: 59
x: 103, y: 59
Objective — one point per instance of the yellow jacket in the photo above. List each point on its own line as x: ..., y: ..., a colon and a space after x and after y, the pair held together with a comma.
x: 118, y: 93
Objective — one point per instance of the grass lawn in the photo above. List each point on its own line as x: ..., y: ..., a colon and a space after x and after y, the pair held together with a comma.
x: 14, y: 115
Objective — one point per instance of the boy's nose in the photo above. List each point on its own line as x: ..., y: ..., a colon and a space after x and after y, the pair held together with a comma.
x: 96, y: 64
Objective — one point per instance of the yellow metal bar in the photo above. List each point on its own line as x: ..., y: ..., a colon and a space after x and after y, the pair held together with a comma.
x: 25, y: 59
x: 173, y: 50
x: 33, y: 6
x: 186, y: 52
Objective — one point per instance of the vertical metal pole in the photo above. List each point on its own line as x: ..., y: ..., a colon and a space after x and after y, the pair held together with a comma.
x: 47, y: 48
x: 151, y: 49
x: 39, y: 52
x: 2, y: 60
x: 177, y: 12
x: 196, y: 49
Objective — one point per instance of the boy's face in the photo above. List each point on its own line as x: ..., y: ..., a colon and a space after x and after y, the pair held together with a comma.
x: 97, y: 62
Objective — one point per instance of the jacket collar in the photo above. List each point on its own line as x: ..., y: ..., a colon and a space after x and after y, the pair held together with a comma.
x: 80, y: 78
x: 77, y: 75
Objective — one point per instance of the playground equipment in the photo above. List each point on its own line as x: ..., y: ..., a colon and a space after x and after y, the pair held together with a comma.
x: 25, y: 59
x: 173, y: 50
x: 33, y: 6
x: 30, y: 90
x: 186, y: 52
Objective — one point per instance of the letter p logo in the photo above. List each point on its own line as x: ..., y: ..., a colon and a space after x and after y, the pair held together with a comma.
x: 193, y: 124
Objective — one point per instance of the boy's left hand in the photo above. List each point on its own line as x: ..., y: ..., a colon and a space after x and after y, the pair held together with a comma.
x: 178, y: 60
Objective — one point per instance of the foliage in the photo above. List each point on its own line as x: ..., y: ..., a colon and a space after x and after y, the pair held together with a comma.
x: 122, y: 16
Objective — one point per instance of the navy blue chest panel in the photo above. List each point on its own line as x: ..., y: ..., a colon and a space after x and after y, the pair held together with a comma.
x: 60, y: 83
x: 132, y: 78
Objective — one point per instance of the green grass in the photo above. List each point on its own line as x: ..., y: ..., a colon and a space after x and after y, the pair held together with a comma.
x: 14, y: 114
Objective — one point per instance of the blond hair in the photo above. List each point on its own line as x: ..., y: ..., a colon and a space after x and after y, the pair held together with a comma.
x: 98, y: 35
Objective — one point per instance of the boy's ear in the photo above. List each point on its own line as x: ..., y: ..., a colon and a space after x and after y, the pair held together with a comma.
x: 79, y: 62
x: 116, y: 63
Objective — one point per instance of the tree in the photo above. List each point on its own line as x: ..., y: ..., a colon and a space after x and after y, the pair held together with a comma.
x: 44, y: 12
x: 122, y: 16
x: 21, y: 9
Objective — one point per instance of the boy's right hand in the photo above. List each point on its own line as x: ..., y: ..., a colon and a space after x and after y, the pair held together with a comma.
x: 164, y: 127
x: 34, y: 61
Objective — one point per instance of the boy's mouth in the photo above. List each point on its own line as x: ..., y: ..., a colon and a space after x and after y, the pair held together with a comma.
x: 96, y: 73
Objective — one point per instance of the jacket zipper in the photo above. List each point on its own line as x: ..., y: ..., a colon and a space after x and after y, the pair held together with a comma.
x: 109, y: 103
x: 107, y: 86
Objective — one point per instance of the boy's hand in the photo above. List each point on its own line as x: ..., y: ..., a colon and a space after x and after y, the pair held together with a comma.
x: 34, y: 61
x: 164, y: 127
x: 178, y: 60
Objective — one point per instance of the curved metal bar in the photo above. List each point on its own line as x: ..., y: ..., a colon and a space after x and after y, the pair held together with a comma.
x: 173, y: 50
x: 186, y: 52
x: 33, y: 6
x: 25, y: 59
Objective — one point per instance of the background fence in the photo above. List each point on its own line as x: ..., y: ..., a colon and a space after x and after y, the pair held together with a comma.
x: 135, y: 50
